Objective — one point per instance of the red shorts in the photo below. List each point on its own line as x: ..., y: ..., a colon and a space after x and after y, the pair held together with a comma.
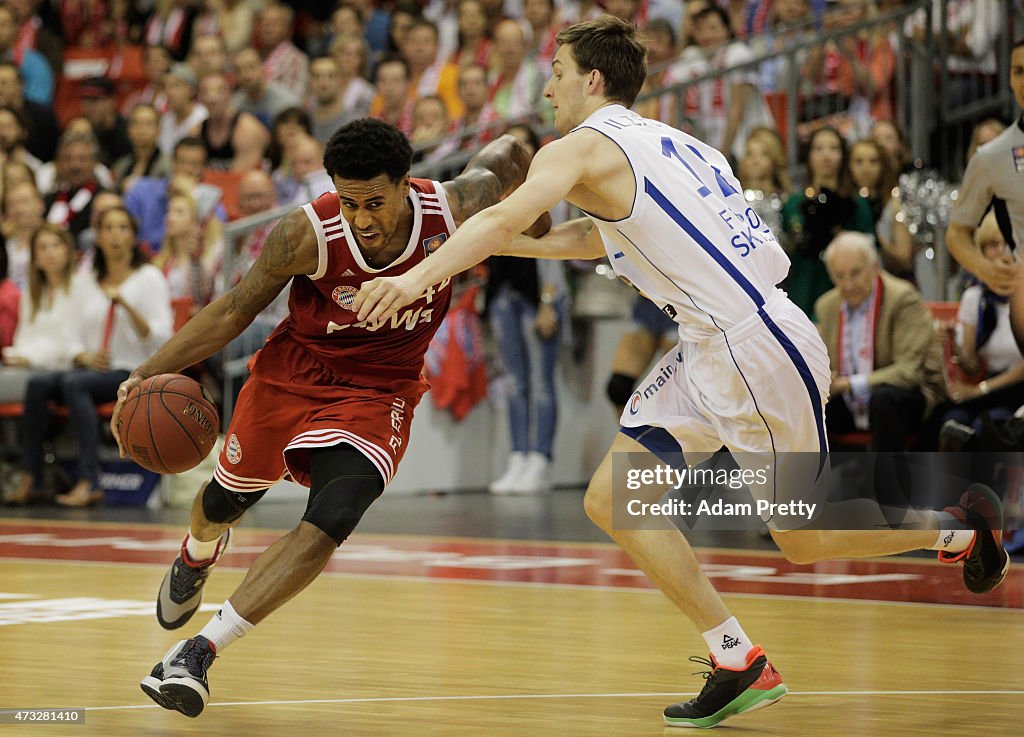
x: 272, y: 431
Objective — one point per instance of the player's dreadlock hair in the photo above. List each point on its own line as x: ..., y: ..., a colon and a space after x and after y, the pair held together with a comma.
x: 367, y: 148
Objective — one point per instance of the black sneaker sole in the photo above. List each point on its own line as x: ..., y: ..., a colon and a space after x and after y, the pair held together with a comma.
x: 184, y: 697
x: 983, y: 586
x: 151, y: 687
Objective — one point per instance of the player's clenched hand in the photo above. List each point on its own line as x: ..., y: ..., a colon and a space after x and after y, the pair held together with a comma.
x: 122, y: 393
x: 380, y: 298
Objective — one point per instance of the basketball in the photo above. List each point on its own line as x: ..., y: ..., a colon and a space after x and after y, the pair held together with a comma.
x: 168, y: 424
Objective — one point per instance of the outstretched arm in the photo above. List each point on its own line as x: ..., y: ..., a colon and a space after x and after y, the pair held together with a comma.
x: 291, y: 249
x: 553, y: 174
x: 574, y: 239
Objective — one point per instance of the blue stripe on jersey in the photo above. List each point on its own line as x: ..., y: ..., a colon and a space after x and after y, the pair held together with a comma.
x: 805, y: 374
x: 702, y: 240
x: 798, y: 360
x: 658, y: 440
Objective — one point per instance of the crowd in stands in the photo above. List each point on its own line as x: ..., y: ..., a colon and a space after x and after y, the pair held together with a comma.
x: 171, y: 117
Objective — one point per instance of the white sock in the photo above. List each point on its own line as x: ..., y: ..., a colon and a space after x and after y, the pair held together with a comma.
x: 198, y: 551
x: 953, y: 541
x: 225, y: 627
x: 729, y: 644
x: 950, y: 539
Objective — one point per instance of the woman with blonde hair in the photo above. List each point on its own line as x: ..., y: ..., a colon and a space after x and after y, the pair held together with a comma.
x: 189, y: 250
x: 984, y: 132
x: 763, y: 167
x: 22, y: 214
x: 764, y: 175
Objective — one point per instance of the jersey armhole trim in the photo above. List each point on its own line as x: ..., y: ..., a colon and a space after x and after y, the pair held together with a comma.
x: 321, y: 241
x: 636, y: 183
x: 442, y: 197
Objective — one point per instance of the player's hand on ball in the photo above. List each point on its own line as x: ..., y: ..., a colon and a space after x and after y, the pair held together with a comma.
x: 380, y: 298
x: 122, y: 394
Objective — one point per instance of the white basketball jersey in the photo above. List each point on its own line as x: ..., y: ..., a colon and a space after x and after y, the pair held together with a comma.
x: 691, y: 242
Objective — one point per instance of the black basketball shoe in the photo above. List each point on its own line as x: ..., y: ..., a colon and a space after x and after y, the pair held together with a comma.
x: 728, y: 692
x: 985, y: 561
x: 178, y: 682
x: 151, y: 685
x: 181, y: 591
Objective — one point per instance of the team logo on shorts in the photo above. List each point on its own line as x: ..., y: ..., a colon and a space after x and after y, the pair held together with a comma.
x: 1018, y: 158
x: 233, y: 452
x: 634, y: 403
x: 434, y: 242
x: 345, y: 296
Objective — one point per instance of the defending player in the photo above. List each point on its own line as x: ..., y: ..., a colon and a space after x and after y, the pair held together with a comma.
x: 331, y: 396
x: 749, y: 372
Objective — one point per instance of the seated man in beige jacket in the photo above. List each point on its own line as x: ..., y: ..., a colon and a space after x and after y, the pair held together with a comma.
x: 886, y: 361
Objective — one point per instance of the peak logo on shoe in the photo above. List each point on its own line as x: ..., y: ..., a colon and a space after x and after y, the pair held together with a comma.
x: 728, y: 643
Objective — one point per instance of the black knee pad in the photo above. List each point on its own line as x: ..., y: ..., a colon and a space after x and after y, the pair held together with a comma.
x: 345, y: 484
x: 620, y: 387
x: 223, y: 505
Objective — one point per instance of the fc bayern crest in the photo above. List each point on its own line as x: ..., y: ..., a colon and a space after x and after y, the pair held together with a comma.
x: 233, y: 450
x: 345, y: 296
x: 434, y: 242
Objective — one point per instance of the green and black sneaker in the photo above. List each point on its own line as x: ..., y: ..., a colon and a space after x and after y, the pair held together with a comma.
x: 985, y: 561
x: 728, y: 692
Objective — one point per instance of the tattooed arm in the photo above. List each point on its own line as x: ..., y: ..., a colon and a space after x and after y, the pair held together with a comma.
x: 496, y: 170
x: 556, y: 170
x: 291, y: 249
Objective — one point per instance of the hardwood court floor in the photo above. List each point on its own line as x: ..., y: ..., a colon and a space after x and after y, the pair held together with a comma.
x: 375, y: 649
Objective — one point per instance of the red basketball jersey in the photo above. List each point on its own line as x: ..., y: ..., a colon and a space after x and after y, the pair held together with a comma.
x: 322, y: 339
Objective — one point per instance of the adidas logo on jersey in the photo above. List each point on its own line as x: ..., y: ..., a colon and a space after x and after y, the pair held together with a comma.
x: 349, y: 272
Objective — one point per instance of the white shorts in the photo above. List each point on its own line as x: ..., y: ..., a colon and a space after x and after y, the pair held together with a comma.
x: 759, y: 389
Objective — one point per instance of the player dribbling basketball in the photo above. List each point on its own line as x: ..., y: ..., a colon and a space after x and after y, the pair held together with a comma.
x: 331, y: 397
